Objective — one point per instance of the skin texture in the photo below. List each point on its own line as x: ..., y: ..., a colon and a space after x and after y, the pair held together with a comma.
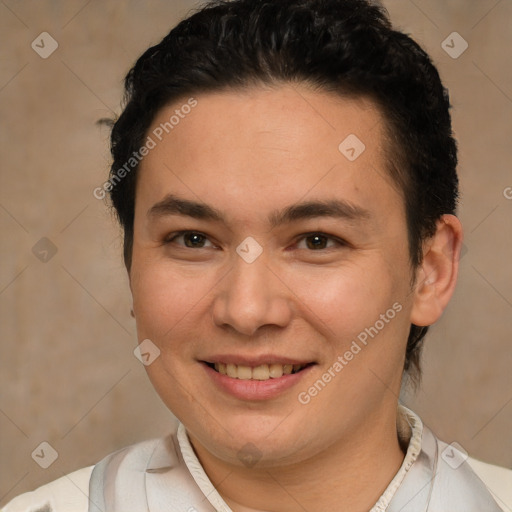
x: 248, y: 154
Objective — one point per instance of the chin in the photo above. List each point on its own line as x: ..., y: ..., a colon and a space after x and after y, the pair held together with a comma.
x: 249, y: 442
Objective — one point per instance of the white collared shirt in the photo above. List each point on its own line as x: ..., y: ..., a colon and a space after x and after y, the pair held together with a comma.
x: 160, y: 472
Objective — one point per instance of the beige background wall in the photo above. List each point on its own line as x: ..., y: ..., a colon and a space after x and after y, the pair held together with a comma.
x: 68, y: 375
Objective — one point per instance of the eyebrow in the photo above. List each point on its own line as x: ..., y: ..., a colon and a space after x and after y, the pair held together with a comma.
x: 335, y: 208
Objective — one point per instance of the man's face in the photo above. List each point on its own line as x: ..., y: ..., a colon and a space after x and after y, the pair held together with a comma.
x: 266, y: 277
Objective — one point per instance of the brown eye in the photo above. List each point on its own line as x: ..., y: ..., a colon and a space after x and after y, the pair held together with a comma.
x: 191, y: 239
x: 318, y: 241
x: 194, y: 239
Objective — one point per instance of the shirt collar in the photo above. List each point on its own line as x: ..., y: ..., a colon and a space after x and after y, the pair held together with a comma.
x: 409, y: 430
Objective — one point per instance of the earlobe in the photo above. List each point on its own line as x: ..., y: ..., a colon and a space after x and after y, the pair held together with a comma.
x: 436, y: 277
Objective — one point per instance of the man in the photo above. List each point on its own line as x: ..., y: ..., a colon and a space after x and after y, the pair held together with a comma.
x: 285, y: 175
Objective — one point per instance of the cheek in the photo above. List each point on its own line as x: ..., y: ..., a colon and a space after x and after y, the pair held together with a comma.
x: 165, y: 298
x: 342, y: 301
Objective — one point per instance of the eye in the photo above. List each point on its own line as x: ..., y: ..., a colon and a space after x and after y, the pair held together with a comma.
x: 190, y: 239
x: 319, y: 241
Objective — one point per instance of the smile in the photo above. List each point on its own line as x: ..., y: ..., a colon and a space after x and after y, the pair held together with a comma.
x: 261, y: 372
x: 260, y: 378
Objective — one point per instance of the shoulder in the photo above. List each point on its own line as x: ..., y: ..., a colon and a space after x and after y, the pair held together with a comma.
x: 458, y: 482
x: 464, y: 477
x: 69, y: 493
x: 497, y: 479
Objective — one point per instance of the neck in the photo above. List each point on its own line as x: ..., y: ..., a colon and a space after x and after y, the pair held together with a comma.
x: 350, y: 475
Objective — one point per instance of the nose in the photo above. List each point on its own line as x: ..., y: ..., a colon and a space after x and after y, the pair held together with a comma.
x: 251, y: 296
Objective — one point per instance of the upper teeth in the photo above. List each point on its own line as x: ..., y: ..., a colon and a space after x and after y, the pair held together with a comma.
x: 262, y: 372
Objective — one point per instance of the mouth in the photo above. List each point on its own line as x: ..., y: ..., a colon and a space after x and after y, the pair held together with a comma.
x: 261, y: 372
x: 256, y: 379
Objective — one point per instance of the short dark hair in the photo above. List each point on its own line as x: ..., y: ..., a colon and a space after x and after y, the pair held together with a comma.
x: 348, y: 47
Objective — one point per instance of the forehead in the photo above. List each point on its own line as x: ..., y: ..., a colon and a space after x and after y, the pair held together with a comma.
x: 246, y: 151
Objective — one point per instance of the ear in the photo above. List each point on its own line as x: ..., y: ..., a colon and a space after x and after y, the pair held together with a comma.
x: 437, y: 275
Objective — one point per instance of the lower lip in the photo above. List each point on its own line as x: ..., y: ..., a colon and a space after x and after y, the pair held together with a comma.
x: 255, y: 389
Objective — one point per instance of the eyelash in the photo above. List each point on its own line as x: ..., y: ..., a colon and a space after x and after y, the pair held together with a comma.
x: 171, y: 238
